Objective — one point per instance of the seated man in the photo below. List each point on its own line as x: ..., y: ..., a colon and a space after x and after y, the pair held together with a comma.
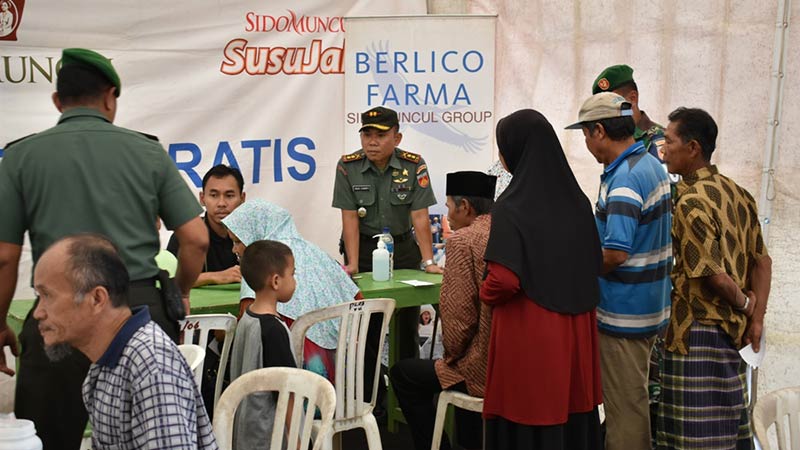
x: 139, y: 392
x: 466, y: 322
x: 221, y: 194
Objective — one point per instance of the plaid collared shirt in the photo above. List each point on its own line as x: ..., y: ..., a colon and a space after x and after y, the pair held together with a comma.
x: 141, y: 393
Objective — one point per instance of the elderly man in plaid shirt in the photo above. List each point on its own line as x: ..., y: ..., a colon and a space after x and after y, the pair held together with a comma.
x: 139, y: 392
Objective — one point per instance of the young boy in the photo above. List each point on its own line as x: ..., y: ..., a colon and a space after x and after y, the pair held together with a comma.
x: 262, y: 338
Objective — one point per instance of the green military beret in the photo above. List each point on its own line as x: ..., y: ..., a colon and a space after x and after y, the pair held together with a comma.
x: 92, y: 59
x: 612, y: 78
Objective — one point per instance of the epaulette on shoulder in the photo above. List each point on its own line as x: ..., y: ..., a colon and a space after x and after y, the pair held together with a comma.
x: 148, y: 136
x: 17, y: 141
x: 408, y: 156
x: 359, y: 155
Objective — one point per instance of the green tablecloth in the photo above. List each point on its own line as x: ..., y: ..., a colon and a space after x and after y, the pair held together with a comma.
x: 225, y: 299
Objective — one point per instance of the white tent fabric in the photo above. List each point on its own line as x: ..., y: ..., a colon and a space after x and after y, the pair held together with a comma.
x: 716, y: 55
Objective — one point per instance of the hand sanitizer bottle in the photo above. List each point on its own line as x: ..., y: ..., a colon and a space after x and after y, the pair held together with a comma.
x: 380, y: 263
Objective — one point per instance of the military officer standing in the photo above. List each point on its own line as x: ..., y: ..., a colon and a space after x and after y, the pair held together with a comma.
x: 384, y: 186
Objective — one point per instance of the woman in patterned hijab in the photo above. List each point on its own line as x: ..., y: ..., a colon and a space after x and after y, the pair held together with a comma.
x: 321, y: 281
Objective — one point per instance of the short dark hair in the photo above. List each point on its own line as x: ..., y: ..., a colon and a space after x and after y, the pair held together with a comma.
x: 482, y: 205
x: 263, y: 259
x: 617, y: 128
x: 78, y: 84
x: 222, y: 171
x: 696, y: 124
x: 625, y: 88
x: 93, y: 260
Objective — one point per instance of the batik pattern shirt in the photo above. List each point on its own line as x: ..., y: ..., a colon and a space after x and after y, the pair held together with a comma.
x: 715, y: 230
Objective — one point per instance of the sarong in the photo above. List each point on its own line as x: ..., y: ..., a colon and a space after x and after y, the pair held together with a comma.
x: 703, y: 395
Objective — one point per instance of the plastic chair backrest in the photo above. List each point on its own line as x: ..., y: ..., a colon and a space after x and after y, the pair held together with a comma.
x: 354, y: 322
x: 778, y: 408
x: 198, y: 326
x: 310, y: 391
x: 194, y: 355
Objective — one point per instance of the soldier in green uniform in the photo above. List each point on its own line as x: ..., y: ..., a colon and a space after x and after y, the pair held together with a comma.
x: 384, y: 186
x: 86, y: 175
x: 619, y: 80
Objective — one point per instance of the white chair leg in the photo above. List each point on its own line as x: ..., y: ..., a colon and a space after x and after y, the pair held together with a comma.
x: 438, y: 425
x: 372, y: 432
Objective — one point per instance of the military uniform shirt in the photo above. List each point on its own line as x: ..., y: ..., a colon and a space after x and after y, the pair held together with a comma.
x: 715, y: 230
x: 88, y: 175
x: 388, y: 197
x: 652, y: 137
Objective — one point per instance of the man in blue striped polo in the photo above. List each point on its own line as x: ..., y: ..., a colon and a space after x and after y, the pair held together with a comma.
x: 633, y: 219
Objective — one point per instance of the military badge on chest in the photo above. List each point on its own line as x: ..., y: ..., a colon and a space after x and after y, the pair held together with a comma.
x: 400, y: 188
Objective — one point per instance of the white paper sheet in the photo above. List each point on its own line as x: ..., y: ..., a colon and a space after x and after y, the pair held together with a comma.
x: 752, y: 358
x: 417, y: 283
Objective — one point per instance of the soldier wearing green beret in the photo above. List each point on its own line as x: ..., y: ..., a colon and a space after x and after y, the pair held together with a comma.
x: 619, y: 80
x: 384, y: 186
x: 86, y: 175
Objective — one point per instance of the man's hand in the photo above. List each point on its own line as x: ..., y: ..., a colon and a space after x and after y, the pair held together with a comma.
x: 433, y: 268
x: 755, y: 326
x: 230, y: 275
x: 7, y: 338
x: 351, y: 269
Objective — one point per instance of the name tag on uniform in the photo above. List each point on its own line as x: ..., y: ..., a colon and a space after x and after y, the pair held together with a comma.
x: 361, y: 187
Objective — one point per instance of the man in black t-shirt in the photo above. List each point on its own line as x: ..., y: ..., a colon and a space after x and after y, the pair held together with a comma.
x: 221, y: 194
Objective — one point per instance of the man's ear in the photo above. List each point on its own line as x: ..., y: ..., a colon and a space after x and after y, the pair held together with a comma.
x: 600, y: 129
x: 57, y: 102
x: 99, y: 297
x: 244, y: 196
x: 633, y: 97
x: 202, y: 199
x: 695, y: 150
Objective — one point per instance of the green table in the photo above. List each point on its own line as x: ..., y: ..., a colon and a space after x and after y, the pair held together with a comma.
x: 225, y: 299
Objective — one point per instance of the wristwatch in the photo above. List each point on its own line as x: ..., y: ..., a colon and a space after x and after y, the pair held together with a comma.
x: 426, y: 263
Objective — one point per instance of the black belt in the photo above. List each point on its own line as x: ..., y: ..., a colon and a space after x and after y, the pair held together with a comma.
x: 144, y: 283
x: 397, y: 237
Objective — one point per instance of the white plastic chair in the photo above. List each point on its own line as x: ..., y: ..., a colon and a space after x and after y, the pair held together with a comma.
x: 352, y: 410
x: 457, y: 399
x: 780, y: 408
x: 198, y: 325
x: 310, y: 390
x: 194, y: 355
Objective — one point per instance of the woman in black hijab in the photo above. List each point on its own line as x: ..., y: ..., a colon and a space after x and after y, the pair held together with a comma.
x: 543, y: 259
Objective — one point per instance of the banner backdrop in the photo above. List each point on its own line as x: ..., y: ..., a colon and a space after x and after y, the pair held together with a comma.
x: 437, y: 72
x: 254, y: 84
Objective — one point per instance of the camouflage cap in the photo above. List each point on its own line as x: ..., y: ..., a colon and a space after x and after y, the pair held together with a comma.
x: 612, y: 78
x: 381, y: 118
x: 86, y: 57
